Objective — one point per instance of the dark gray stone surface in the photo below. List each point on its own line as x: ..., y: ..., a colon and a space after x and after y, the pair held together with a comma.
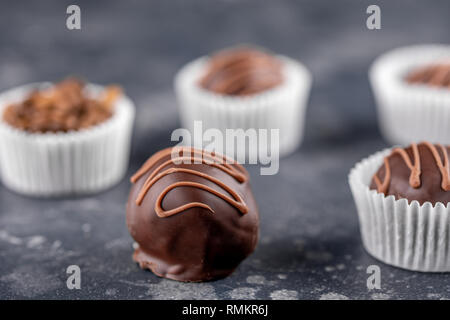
x: 310, y: 245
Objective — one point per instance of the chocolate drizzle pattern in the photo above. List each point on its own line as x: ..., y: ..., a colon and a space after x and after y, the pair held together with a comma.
x: 415, y: 167
x: 195, y: 156
x: 242, y: 71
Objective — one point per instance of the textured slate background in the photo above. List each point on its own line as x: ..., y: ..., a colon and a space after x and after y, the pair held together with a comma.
x: 310, y: 244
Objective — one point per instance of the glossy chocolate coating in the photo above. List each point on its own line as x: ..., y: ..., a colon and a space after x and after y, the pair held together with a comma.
x: 431, y: 184
x: 195, y: 244
x: 242, y: 71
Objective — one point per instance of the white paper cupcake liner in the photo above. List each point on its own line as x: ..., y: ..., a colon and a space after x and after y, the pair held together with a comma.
x: 411, y: 112
x: 55, y: 164
x: 280, y: 108
x: 409, y: 236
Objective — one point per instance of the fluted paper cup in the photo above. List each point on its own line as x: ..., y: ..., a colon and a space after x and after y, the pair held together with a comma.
x: 280, y: 108
x: 411, y: 112
x: 55, y: 164
x: 402, y: 234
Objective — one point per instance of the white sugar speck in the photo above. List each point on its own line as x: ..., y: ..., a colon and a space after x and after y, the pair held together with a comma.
x: 333, y: 296
x: 86, y: 228
x: 284, y: 295
x: 380, y: 296
x: 35, y: 242
x: 244, y: 293
x: 256, y: 279
x: 56, y: 245
x: 5, y: 236
x: 340, y: 266
x: 111, y: 292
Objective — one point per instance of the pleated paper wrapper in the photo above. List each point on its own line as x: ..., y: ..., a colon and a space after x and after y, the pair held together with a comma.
x: 411, y: 112
x: 72, y: 163
x: 280, y: 108
x: 402, y: 234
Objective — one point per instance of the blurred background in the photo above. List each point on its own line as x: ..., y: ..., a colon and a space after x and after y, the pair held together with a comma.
x: 142, y: 44
x: 310, y: 244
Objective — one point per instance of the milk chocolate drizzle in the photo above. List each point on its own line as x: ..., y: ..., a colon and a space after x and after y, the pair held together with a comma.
x: 414, y: 178
x: 195, y: 157
x: 242, y: 71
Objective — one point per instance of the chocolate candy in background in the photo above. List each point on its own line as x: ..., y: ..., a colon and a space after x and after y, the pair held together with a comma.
x: 62, y: 107
x: 192, y: 222
x: 419, y: 172
x: 241, y: 71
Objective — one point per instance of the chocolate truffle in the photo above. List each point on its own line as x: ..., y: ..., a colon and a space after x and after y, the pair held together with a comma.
x: 192, y: 215
x: 241, y: 71
x: 419, y: 172
x: 437, y: 75
x: 60, y: 108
